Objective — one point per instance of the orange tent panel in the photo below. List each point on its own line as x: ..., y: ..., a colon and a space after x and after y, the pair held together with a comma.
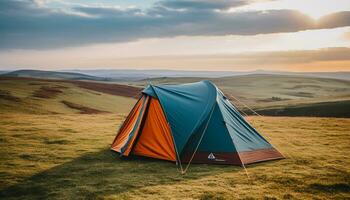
x: 141, y: 118
x: 124, y: 132
x: 155, y: 140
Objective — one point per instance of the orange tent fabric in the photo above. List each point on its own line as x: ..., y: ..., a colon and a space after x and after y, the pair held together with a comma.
x: 140, y: 118
x: 128, y: 126
x: 155, y: 140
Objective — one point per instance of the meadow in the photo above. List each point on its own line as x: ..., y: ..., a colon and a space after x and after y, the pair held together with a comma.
x: 67, y: 156
x: 55, y: 137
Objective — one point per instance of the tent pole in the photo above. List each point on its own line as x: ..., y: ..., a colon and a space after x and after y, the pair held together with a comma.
x: 200, y: 140
x: 178, y: 161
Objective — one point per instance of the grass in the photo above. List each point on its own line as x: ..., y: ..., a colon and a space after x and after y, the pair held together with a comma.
x: 66, y: 156
x: 50, y: 151
x: 35, y: 96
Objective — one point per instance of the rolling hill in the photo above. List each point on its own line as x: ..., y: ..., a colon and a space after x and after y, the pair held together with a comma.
x: 52, y: 75
x: 118, y: 75
x: 134, y: 75
x: 273, y: 95
x: 41, y: 96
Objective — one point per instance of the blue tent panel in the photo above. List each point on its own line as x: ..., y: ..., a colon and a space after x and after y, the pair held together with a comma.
x: 186, y: 106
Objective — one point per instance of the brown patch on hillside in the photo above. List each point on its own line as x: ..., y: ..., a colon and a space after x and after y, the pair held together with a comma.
x: 82, y: 109
x: 46, y: 92
x: 60, y: 87
x: 113, y: 89
x: 8, y: 96
x: 273, y: 99
x: 36, y: 84
x: 108, y: 88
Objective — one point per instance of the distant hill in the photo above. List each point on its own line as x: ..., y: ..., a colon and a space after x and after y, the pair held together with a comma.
x: 52, y: 75
x: 136, y: 75
x: 125, y: 75
x: 335, y: 75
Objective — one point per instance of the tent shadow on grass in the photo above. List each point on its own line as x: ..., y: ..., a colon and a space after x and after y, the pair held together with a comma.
x: 104, y: 173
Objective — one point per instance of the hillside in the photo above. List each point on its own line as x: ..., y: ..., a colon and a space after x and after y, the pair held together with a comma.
x: 276, y: 92
x: 40, y: 96
x: 52, y: 75
x: 267, y: 94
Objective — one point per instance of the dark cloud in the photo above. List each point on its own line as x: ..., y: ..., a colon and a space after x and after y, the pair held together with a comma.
x: 333, y: 20
x: 24, y: 24
x: 202, y: 4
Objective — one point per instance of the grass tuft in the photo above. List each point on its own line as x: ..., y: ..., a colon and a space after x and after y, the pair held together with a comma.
x: 211, y: 196
x: 331, y: 188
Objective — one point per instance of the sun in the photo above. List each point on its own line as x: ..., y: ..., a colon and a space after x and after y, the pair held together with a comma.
x: 312, y: 8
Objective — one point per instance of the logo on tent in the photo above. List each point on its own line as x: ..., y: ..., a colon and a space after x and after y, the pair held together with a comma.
x: 211, y: 156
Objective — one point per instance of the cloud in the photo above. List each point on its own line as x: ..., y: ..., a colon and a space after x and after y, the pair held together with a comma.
x: 254, y: 58
x: 202, y: 4
x: 298, y: 56
x: 329, y: 59
x: 333, y: 20
x: 26, y: 24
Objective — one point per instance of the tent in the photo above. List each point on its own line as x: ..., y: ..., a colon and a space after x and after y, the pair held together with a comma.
x: 190, y: 123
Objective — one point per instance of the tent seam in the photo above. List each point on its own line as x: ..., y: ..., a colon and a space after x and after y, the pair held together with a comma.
x: 177, y: 153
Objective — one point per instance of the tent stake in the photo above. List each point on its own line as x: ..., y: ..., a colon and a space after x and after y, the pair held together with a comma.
x: 246, y: 172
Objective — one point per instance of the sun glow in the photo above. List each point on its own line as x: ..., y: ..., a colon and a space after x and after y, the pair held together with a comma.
x: 313, y: 8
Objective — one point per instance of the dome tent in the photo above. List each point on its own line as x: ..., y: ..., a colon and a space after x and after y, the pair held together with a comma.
x: 190, y: 123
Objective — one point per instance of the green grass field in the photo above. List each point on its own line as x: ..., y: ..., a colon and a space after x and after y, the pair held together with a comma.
x: 49, y: 149
x: 66, y: 156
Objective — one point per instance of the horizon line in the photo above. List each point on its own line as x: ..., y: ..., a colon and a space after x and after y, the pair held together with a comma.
x: 160, y: 69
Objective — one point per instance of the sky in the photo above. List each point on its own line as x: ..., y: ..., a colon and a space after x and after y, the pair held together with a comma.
x: 229, y: 35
